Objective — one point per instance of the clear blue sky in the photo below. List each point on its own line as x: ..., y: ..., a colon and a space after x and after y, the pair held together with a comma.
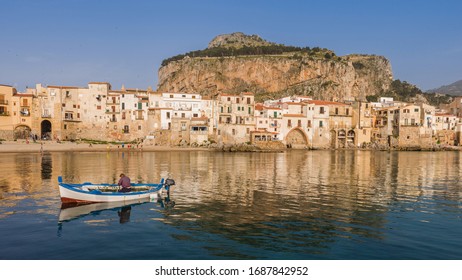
x: 73, y: 42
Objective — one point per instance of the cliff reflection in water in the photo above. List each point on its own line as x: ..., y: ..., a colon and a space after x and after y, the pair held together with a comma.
x: 297, y: 201
x: 306, y: 200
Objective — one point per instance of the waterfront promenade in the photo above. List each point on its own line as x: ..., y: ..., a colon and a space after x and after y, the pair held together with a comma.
x: 52, y: 146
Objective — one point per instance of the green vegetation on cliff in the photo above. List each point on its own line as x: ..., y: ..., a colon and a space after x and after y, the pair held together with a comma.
x: 252, y: 50
x: 406, y: 92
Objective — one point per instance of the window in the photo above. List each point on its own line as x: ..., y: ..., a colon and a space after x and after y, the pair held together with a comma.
x: 336, y: 111
x: 416, y: 110
x: 248, y: 100
x: 347, y: 112
x: 168, y: 115
x: 299, y: 123
x: 289, y: 123
x: 321, y: 110
x: 126, y: 129
x: 98, y: 107
x: 65, y: 126
x: 309, y: 123
x: 320, y: 124
x: 139, y: 127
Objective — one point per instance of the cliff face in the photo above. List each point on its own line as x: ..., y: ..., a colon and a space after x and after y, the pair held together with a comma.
x: 272, y: 76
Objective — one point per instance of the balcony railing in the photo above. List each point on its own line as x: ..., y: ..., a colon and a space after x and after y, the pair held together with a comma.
x: 112, y: 112
x: 3, y: 102
x: 4, y: 114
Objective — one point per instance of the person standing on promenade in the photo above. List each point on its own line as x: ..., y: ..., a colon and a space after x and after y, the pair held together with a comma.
x: 124, y: 182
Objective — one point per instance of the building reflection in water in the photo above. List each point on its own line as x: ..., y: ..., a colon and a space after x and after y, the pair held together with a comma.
x: 305, y: 199
x: 46, y: 166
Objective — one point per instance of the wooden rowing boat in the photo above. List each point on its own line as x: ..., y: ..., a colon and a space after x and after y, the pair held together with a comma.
x: 91, y: 193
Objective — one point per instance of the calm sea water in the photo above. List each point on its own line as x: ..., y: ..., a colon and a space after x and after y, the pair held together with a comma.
x: 293, y: 205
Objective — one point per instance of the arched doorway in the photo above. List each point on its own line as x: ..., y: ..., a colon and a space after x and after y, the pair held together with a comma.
x: 45, y: 130
x: 351, y: 138
x: 22, y: 132
x: 296, y: 138
x: 341, y: 137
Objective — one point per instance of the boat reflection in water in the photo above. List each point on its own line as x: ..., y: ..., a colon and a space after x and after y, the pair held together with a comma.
x: 124, y: 214
x: 72, y: 211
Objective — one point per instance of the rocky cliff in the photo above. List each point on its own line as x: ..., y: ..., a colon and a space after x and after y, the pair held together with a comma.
x: 313, y: 72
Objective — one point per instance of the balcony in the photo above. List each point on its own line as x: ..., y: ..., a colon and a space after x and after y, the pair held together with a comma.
x: 112, y: 112
x: 3, y: 102
x: 4, y: 114
x: 46, y: 116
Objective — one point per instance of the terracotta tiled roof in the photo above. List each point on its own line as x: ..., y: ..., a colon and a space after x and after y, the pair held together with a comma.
x: 444, y: 114
x: 23, y: 94
x: 323, y: 102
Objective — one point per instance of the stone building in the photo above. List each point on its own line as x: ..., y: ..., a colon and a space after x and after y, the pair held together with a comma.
x: 235, y: 118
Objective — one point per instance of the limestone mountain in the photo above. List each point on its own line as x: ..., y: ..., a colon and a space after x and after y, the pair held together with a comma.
x: 238, y: 40
x: 454, y: 89
x: 236, y: 62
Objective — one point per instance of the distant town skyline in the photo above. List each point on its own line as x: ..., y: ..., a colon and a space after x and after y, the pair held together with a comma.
x: 74, y: 42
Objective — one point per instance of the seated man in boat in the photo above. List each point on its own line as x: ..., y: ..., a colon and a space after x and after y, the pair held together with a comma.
x: 124, y: 182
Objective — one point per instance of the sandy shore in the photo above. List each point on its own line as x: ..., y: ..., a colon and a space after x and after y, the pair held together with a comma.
x: 22, y: 146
